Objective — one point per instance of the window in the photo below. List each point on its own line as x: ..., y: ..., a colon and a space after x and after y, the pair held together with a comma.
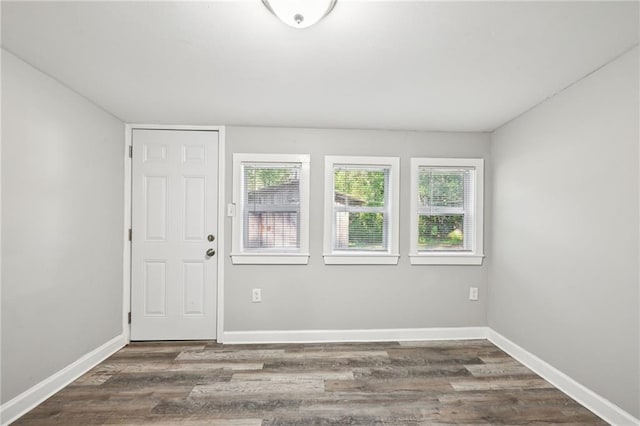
x: 446, y: 210
x: 271, y: 195
x: 361, y: 210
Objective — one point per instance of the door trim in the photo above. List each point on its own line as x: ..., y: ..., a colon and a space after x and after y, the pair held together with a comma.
x: 126, y: 259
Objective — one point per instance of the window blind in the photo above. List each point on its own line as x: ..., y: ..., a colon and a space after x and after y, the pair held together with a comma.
x: 361, y: 208
x: 445, y: 208
x: 271, y: 210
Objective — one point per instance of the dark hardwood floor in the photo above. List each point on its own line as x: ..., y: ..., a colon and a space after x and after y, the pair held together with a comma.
x: 415, y: 383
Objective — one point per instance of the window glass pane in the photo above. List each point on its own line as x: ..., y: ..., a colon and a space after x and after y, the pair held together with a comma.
x: 271, y: 206
x: 360, y: 231
x: 272, y: 230
x: 360, y: 187
x: 360, y: 204
x: 440, y: 232
x: 445, y: 208
x: 441, y: 187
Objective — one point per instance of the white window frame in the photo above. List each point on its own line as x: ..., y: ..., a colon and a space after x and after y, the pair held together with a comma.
x: 239, y: 255
x: 475, y: 255
x: 351, y: 257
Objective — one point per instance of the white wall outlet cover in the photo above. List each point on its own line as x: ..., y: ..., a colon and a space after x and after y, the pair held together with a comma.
x: 473, y: 293
x: 256, y: 295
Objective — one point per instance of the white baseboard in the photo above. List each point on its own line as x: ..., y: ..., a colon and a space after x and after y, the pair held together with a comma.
x: 29, y: 399
x: 602, y: 407
x: 378, y: 335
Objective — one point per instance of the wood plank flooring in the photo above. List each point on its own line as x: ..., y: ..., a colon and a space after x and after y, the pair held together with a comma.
x: 408, y: 383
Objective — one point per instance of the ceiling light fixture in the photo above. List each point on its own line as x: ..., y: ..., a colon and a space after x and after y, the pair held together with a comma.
x: 300, y: 13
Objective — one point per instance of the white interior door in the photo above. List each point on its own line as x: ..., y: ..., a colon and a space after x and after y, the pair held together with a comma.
x: 174, y: 238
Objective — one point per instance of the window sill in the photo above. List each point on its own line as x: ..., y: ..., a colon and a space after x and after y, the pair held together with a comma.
x: 361, y: 259
x: 270, y: 258
x: 446, y: 259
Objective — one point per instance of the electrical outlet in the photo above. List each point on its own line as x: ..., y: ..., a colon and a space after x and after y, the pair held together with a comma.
x: 256, y: 295
x: 473, y: 293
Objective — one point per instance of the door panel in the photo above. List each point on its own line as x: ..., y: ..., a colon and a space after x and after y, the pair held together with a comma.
x: 193, y: 280
x: 194, y: 208
x: 155, y: 288
x: 174, y: 209
x: 155, y: 207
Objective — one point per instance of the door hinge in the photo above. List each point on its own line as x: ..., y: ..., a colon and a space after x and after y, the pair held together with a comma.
x: 129, y: 317
x: 130, y: 151
x: 130, y: 234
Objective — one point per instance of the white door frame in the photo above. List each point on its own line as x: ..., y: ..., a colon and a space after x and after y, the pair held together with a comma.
x: 126, y: 274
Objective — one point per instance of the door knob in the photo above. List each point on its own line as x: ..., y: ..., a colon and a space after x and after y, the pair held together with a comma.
x: 211, y: 252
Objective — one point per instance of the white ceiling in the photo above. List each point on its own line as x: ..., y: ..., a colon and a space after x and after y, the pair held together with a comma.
x: 465, y: 66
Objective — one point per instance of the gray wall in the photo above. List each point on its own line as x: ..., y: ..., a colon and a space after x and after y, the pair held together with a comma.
x: 333, y: 297
x: 564, y: 263
x: 62, y: 226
